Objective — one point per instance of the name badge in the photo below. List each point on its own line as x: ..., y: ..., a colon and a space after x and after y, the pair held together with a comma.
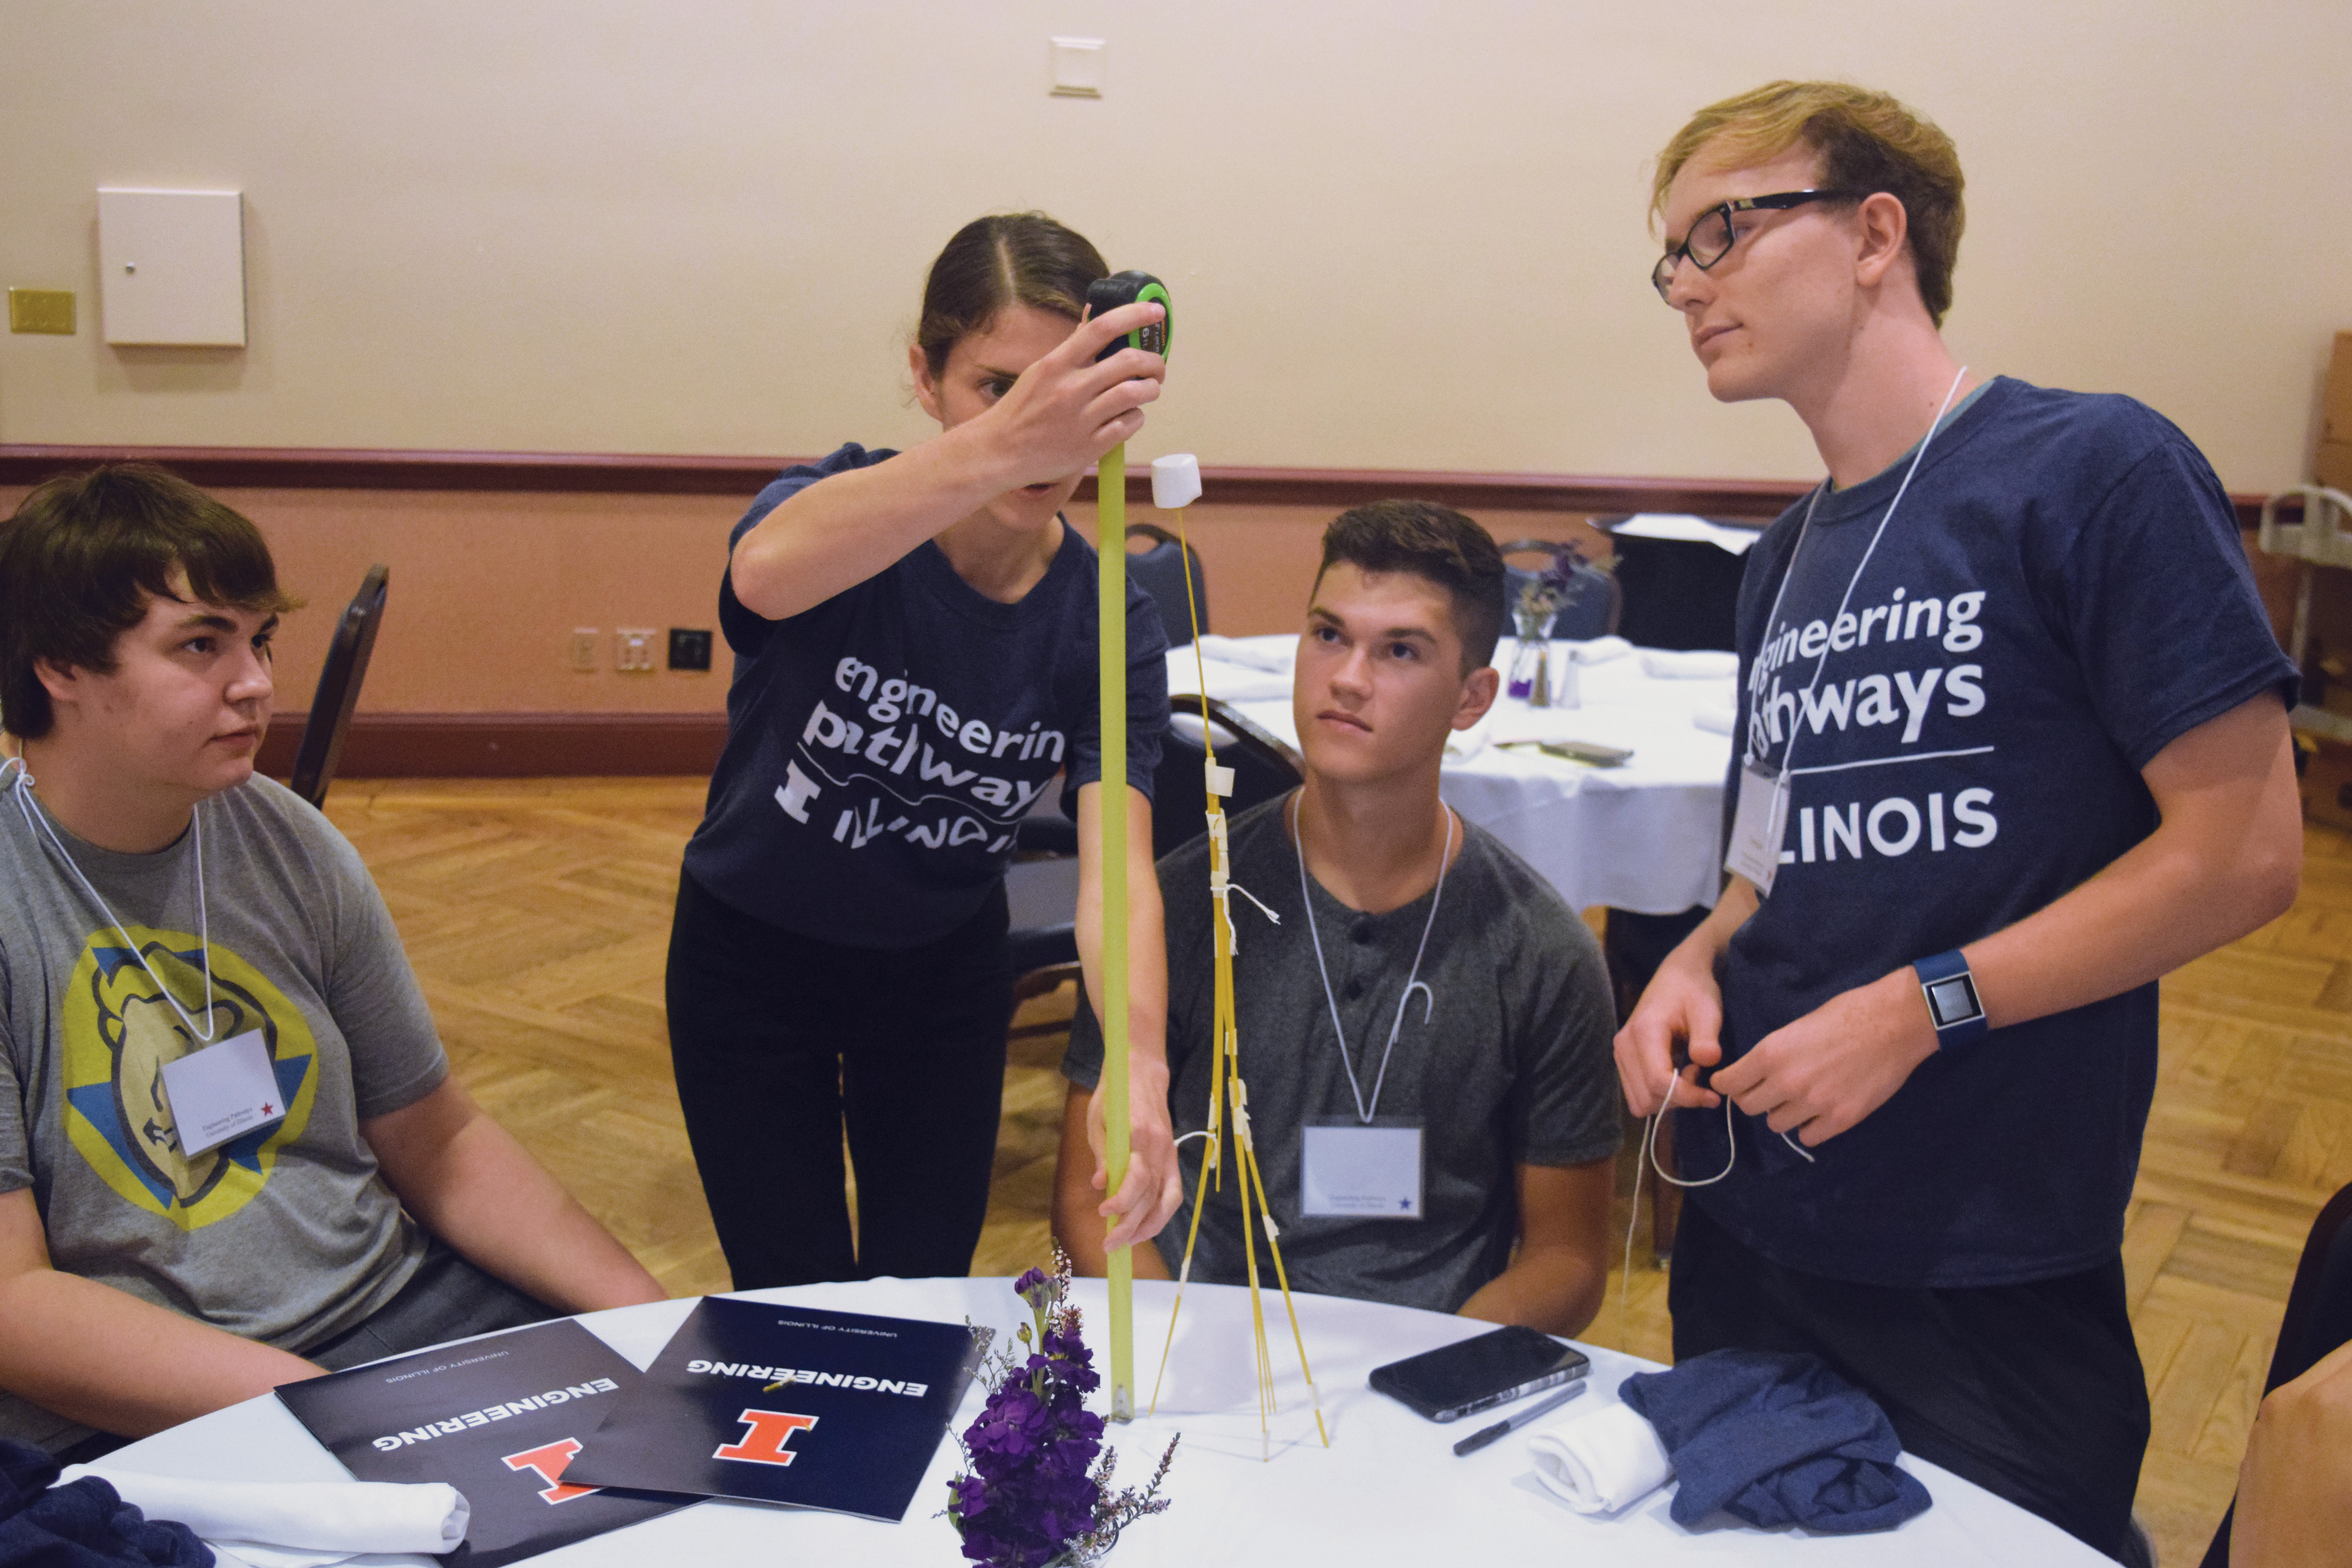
x: 1355, y: 1171
x: 222, y: 1090
x: 1758, y: 825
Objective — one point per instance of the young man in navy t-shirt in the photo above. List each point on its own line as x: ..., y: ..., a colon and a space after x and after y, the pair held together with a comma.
x: 2013, y: 744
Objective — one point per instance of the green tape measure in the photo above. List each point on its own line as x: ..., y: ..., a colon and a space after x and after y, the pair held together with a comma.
x: 1133, y: 288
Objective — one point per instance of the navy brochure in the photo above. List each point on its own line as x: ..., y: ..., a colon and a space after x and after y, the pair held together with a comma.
x: 498, y: 1418
x: 831, y: 1410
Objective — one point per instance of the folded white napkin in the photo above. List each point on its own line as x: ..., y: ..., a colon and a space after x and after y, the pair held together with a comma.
x: 1717, y: 717
x: 1265, y: 656
x: 1601, y: 1460
x: 322, y: 1516
x: 1598, y: 650
x: 1698, y: 664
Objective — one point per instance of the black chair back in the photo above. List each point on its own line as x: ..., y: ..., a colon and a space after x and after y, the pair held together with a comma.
x: 1592, y: 604
x: 1162, y: 570
x: 339, y: 689
x: 1263, y: 768
x: 1678, y: 594
x: 2318, y: 1318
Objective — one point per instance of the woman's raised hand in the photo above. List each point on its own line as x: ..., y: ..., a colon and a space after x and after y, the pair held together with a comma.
x: 1042, y: 430
x: 1067, y: 410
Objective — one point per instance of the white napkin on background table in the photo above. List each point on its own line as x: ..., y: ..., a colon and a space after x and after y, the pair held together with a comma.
x: 319, y: 1516
x: 1600, y: 1460
x: 1596, y: 650
x: 1464, y: 745
x: 1698, y: 664
x: 1232, y: 650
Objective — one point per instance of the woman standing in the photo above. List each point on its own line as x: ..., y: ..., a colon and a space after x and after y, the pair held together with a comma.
x: 915, y: 642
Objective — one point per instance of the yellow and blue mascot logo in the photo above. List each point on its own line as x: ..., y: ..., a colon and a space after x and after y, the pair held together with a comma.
x: 119, y: 1030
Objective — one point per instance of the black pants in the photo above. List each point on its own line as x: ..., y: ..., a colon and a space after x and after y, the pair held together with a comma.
x: 2033, y: 1392
x: 778, y: 1039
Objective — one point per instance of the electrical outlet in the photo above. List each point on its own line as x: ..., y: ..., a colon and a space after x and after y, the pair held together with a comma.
x: 632, y: 649
x: 688, y: 649
x: 583, y: 649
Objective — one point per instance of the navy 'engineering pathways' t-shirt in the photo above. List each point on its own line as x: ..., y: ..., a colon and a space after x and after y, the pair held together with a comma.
x: 881, y: 745
x: 2061, y: 594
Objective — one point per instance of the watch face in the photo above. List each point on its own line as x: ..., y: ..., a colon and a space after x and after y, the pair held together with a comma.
x: 1953, y: 1001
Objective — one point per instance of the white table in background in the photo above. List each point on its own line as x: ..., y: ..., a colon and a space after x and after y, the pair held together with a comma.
x: 1388, y: 1490
x: 1647, y: 837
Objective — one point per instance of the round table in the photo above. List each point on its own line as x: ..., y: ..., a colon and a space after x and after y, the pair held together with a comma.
x: 1388, y: 1490
x: 1646, y: 836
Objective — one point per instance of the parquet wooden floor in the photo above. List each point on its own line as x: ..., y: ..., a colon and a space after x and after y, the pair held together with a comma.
x: 537, y: 914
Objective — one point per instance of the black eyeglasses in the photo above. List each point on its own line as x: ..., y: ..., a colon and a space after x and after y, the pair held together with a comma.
x: 1710, y: 238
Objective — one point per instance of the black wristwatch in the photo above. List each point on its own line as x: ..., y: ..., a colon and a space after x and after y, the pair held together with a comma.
x: 1952, y: 1002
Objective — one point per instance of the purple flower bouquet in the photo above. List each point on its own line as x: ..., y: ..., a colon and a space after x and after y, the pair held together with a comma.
x: 1032, y: 1494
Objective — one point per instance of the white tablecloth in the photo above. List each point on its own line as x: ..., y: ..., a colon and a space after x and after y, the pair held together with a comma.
x: 1647, y: 837
x: 1388, y: 1490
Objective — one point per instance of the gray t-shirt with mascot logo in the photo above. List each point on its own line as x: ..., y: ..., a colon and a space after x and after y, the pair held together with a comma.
x: 286, y: 1234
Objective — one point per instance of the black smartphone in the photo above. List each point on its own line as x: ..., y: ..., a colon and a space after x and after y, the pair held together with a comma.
x: 1481, y: 1372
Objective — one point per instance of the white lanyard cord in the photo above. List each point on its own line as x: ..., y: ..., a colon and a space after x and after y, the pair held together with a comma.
x: 1822, y: 662
x: 1364, y: 1111
x: 37, y: 821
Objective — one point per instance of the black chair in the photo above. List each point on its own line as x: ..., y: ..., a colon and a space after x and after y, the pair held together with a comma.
x: 1263, y: 768
x: 330, y: 717
x: 1162, y: 570
x: 2318, y: 1318
x: 1042, y: 883
x: 1043, y: 890
x: 1592, y: 606
x: 1678, y: 594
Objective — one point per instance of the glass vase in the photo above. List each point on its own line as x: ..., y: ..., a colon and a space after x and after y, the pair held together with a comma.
x: 1530, y: 666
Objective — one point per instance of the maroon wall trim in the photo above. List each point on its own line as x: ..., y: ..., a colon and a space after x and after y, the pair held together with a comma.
x: 1335, y: 488
x: 511, y: 746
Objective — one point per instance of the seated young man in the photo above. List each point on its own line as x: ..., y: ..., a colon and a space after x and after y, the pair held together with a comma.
x: 170, y: 911
x: 1423, y: 980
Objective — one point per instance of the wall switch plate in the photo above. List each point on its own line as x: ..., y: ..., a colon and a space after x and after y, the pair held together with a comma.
x: 41, y: 311
x: 1077, y: 65
x: 583, y: 649
x: 171, y: 267
x: 688, y: 649
x: 632, y: 649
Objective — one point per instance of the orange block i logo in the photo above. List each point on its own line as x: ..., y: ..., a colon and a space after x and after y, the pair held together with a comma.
x: 766, y: 1432
x: 549, y: 1461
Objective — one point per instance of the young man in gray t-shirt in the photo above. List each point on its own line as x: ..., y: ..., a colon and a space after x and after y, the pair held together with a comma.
x: 182, y: 933
x: 1425, y: 1035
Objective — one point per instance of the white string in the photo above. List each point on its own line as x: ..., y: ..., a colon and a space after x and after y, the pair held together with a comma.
x: 1919, y: 456
x: 1253, y: 897
x: 1788, y: 756
x: 1650, y: 1158
x: 36, y: 820
x: 1412, y: 979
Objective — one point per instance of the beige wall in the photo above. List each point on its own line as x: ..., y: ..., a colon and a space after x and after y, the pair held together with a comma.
x: 1398, y: 236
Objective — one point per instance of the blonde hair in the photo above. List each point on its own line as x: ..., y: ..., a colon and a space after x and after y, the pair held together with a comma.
x: 1868, y: 142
